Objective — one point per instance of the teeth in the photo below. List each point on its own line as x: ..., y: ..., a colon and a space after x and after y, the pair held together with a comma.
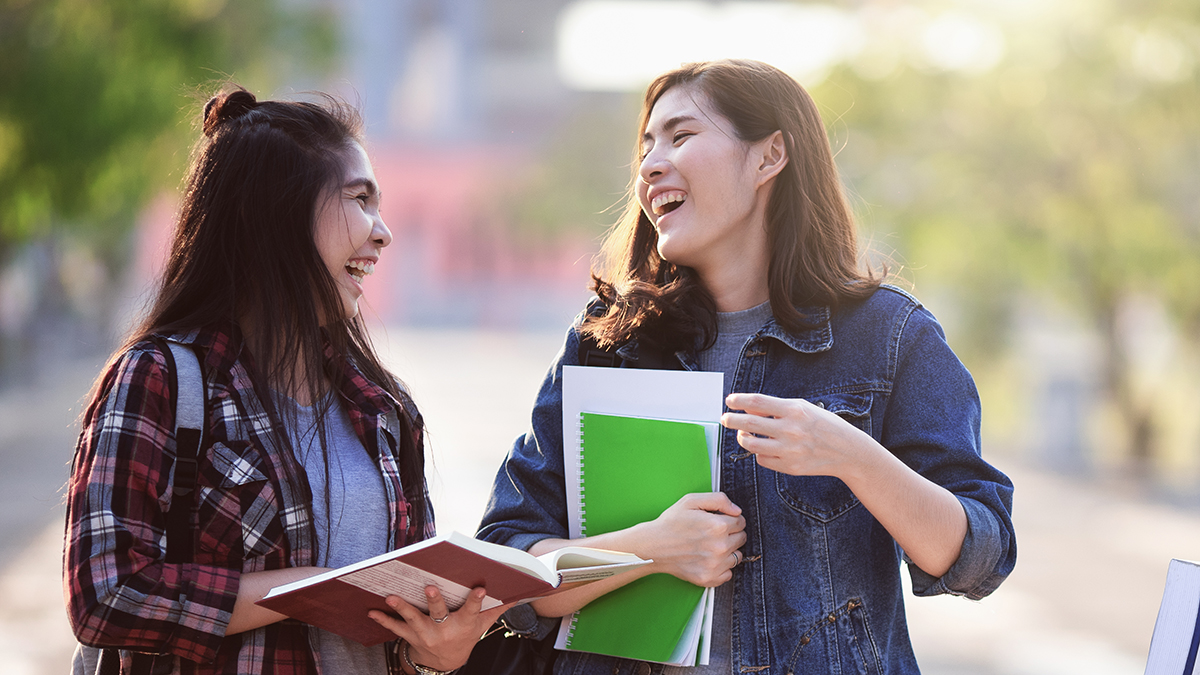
x: 666, y: 198
x: 360, y: 268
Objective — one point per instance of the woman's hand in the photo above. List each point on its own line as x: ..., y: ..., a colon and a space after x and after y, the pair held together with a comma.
x: 441, y: 640
x: 695, y: 539
x: 795, y: 437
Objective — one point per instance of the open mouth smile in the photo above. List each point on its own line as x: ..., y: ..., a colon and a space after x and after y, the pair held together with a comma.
x: 359, y: 269
x: 667, y: 202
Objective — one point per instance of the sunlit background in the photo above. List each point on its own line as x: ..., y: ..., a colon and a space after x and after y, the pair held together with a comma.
x: 1029, y: 168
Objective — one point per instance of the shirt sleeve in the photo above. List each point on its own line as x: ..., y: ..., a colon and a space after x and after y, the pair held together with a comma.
x: 528, y: 501
x: 932, y: 424
x: 120, y: 591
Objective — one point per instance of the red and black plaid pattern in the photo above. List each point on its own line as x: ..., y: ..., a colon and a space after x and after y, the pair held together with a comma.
x: 120, y: 592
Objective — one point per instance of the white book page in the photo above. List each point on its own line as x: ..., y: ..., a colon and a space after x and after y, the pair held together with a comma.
x: 397, y: 578
x: 1177, y: 618
x: 690, y: 396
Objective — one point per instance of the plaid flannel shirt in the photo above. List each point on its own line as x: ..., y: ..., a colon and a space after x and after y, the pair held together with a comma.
x: 248, y: 516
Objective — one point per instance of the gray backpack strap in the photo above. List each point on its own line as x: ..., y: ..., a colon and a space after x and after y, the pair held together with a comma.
x: 189, y: 434
x: 189, y: 385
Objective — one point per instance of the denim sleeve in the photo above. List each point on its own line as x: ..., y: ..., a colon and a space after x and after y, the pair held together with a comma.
x: 932, y: 424
x: 528, y: 501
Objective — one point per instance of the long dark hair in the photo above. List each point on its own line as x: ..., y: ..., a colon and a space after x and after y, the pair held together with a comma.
x: 810, y: 228
x: 244, y: 246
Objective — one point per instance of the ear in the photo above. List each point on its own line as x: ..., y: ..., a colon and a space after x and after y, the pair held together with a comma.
x: 772, y: 155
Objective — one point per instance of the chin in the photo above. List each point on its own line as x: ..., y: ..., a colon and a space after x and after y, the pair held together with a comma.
x: 671, y: 254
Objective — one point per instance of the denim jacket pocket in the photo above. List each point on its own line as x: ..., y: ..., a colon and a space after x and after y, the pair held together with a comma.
x: 238, y: 505
x: 855, y: 408
x: 824, y: 498
x: 855, y: 649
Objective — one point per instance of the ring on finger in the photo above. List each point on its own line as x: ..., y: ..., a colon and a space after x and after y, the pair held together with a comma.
x: 440, y: 619
x: 737, y: 558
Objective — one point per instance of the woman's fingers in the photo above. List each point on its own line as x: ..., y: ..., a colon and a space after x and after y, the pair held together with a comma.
x: 397, y: 626
x: 409, y: 613
x: 438, y: 612
x: 758, y: 404
x: 715, y: 502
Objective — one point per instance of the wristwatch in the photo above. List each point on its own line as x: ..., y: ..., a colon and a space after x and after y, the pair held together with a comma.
x: 422, y: 670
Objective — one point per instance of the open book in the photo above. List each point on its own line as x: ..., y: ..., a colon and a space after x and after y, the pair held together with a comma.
x: 338, y: 600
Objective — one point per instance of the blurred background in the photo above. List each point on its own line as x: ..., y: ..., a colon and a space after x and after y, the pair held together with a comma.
x: 1029, y: 168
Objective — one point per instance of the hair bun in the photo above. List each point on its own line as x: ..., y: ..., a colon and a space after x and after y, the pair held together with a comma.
x: 227, y: 106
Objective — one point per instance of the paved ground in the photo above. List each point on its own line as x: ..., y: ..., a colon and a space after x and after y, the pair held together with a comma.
x: 1083, y: 599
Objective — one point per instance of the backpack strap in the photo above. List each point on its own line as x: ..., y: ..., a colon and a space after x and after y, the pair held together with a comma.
x: 188, y: 389
x: 650, y: 354
x: 591, y: 354
x: 186, y: 386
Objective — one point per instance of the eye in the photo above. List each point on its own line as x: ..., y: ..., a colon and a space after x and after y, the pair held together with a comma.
x: 363, y: 198
x: 679, y: 137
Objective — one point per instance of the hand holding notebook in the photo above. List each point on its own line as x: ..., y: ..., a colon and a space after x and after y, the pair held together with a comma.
x: 693, y: 538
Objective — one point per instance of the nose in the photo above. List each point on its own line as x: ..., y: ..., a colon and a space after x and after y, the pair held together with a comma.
x: 653, y: 165
x: 380, y: 234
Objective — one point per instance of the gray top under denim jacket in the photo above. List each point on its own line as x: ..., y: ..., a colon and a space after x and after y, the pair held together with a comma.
x: 819, y: 591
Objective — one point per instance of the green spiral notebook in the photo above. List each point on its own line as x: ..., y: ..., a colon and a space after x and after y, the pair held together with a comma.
x: 632, y: 469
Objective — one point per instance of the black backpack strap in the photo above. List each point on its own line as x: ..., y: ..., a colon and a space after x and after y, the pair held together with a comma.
x: 591, y: 354
x: 650, y: 354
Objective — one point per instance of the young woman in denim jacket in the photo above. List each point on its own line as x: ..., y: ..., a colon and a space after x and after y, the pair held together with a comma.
x: 312, y: 454
x: 851, y: 437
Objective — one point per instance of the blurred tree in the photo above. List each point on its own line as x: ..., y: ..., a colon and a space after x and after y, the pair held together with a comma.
x: 94, y: 100
x: 1069, y: 169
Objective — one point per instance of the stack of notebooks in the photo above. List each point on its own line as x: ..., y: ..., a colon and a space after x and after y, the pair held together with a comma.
x: 636, y: 441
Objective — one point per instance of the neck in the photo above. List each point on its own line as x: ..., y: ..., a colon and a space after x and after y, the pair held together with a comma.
x: 737, y: 280
x: 292, y: 376
x: 737, y: 287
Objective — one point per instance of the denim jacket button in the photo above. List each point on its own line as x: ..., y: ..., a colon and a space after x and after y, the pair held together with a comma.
x: 643, y: 668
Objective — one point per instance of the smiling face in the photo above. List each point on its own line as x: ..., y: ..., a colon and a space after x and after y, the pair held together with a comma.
x: 701, y: 186
x: 349, y: 232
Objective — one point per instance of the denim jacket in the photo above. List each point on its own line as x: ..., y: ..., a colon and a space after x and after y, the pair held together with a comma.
x: 819, y: 590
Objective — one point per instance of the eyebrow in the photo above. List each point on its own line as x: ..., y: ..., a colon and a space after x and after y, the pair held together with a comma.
x: 367, y: 183
x: 670, y: 124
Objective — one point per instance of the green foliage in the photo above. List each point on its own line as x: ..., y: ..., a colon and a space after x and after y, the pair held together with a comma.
x: 96, y: 97
x: 1064, y: 173
x: 1069, y: 170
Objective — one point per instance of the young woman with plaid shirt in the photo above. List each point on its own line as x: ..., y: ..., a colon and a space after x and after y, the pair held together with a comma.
x: 313, y: 453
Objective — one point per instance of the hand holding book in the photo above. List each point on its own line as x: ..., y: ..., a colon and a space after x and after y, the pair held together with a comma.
x: 443, y: 639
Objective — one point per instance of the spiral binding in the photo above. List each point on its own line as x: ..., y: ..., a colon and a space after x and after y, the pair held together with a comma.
x: 571, y: 630
x: 582, y: 496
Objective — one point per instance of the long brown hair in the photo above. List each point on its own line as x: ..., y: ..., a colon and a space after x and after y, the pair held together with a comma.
x: 810, y: 228
x: 244, y: 246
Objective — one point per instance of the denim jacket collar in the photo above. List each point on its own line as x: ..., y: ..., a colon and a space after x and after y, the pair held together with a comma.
x: 817, y: 338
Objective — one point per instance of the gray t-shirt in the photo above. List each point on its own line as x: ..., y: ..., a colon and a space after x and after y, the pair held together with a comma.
x: 350, y: 517
x: 733, y: 330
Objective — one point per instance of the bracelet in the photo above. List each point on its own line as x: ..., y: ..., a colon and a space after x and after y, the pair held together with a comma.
x: 422, y: 670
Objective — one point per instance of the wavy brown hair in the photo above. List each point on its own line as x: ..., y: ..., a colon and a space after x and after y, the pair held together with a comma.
x: 814, y: 257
